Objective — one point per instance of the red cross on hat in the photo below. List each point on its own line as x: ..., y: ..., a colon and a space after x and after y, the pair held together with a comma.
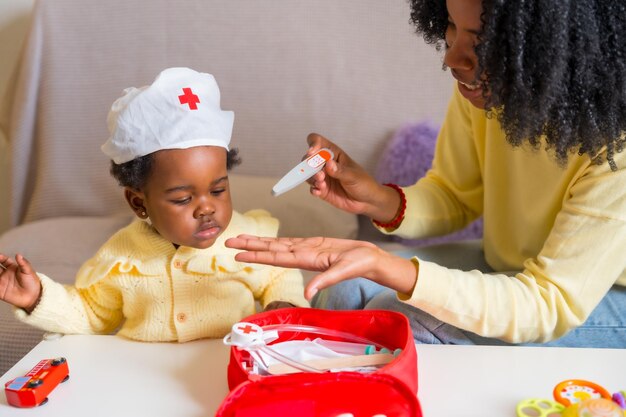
x: 189, y: 98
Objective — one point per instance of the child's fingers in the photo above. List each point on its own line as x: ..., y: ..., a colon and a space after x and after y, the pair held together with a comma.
x: 6, y: 261
x: 3, y: 261
x: 24, y: 265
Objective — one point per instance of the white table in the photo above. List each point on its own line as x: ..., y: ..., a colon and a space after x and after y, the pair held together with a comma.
x: 111, y: 376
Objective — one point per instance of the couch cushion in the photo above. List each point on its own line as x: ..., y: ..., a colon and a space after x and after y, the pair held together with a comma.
x: 59, y: 246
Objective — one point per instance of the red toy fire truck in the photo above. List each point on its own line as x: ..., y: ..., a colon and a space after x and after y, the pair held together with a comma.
x: 33, y: 388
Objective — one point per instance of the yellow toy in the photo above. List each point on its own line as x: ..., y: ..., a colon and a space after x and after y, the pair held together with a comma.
x: 536, y: 407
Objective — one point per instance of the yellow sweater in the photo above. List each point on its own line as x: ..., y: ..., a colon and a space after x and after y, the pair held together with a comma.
x: 155, y: 292
x: 563, y: 227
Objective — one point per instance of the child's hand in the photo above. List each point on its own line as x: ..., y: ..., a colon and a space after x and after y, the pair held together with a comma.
x: 19, y: 284
x: 275, y: 305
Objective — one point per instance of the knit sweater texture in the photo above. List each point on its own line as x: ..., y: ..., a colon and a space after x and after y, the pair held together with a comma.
x: 144, y: 288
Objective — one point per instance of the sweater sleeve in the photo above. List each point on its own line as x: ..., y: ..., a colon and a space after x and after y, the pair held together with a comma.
x: 582, y: 258
x: 285, y: 285
x: 67, y: 309
x: 558, y: 286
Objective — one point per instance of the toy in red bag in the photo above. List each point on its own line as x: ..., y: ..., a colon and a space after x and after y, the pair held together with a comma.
x: 368, y: 365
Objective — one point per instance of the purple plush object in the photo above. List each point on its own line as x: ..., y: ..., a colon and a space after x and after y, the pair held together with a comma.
x: 406, y: 158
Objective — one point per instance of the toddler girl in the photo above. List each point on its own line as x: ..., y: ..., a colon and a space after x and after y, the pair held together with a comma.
x: 167, y: 276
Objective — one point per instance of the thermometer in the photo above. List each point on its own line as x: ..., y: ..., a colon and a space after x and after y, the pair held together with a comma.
x: 303, y: 171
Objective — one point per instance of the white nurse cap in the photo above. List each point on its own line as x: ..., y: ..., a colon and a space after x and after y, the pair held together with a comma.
x: 179, y: 110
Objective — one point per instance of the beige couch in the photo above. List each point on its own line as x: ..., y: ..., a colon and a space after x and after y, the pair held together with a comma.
x: 350, y: 69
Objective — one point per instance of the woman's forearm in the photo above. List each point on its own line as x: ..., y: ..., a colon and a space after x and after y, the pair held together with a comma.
x: 384, y: 205
x: 397, y: 273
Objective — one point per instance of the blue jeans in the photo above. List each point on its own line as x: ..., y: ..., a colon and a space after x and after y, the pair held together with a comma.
x: 604, y: 328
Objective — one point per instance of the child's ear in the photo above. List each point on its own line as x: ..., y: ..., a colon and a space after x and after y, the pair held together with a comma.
x: 135, y: 200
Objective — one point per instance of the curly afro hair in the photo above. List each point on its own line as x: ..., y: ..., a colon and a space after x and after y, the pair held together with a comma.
x: 554, y: 70
x: 135, y: 173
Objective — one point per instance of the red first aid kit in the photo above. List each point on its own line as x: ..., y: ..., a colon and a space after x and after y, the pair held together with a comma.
x: 388, y: 391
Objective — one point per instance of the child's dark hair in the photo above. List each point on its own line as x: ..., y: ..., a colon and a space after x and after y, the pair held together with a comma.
x: 135, y: 173
x: 554, y: 68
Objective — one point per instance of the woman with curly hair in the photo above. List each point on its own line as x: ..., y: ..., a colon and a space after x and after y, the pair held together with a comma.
x: 533, y: 141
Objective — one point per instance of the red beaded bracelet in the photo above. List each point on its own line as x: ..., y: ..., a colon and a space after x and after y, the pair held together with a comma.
x: 393, y: 224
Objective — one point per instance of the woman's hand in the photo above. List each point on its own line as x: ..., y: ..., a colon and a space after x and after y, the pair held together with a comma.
x: 337, y: 259
x: 19, y: 284
x: 347, y: 186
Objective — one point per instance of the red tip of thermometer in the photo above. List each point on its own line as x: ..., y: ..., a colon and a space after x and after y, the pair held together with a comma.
x: 303, y: 171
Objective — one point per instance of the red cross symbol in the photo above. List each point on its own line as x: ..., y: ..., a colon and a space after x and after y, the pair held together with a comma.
x: 189, y: 98
x: 247, y: 329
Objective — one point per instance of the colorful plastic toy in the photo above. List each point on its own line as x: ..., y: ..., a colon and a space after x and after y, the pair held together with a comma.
x: 536, y: 407
x: 575, y: 398
x: 573, y: 391
x: 620, y: 398
x: 32, y: 389
x: 593, y: 407
x: 303, y: 171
